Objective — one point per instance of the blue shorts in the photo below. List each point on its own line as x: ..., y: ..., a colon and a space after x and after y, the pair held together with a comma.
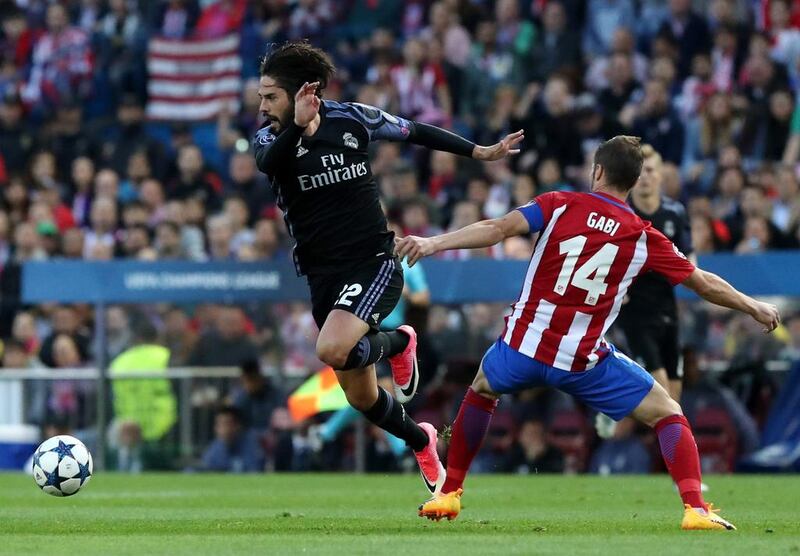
x: 615, y: 386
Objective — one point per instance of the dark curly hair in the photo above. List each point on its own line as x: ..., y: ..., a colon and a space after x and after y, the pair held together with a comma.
x: 292, y: 64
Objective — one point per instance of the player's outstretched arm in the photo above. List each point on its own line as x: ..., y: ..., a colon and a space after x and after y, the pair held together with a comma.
x: 440, y: 139
x: 481, y: 234
x: 714, y: 289
x: 383, y: 126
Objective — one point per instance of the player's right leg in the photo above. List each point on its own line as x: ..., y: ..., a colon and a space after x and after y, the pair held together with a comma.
x: 618, y: 387
x: 502, y: 370
x: 369, y: 293
x: 467, y: 435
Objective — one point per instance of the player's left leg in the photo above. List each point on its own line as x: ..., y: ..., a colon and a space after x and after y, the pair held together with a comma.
x: 679, y: 451
x: 319, y: 435
x: 346, y: 342
x: 349, y: 307
x: 503, y: 369
x: 467, y: 435
x: 618, y: 387
x: 676, y: 389
x: 360, y: 385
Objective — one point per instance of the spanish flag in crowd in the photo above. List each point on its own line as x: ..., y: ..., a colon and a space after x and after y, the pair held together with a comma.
x: 319, y: 393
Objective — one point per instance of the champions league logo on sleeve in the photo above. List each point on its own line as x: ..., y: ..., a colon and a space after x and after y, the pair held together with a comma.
x: 266, y: 138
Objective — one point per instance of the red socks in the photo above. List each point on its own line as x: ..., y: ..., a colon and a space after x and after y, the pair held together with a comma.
x: 680, y: 454
x: 674, y: 435
x: 469, y: 429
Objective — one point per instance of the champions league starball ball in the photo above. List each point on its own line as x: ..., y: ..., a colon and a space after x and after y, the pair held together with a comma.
x: 62, y: 465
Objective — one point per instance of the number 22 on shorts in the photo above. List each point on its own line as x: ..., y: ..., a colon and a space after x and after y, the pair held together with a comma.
x: 348, y: 291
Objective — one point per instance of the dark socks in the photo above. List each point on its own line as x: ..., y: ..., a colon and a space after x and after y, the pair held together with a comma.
x: 389, y: 415
x: 375, y: 346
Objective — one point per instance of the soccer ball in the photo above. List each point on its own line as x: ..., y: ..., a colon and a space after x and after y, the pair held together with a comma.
x: 62, y: 465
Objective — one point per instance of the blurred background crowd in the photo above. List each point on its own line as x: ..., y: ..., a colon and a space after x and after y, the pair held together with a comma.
x: 85, y: 174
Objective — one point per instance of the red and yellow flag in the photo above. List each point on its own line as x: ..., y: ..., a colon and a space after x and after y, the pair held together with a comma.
x: 319, y: 393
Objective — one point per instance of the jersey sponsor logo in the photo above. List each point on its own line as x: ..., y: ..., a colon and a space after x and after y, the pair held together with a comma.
x: 301, y: 151
x: 602, y: 223
x: 669, y: 228
x: 349, y: 140
x: 335, y: 172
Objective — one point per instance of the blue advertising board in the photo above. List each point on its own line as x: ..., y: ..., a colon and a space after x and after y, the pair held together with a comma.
x: 450, y: 282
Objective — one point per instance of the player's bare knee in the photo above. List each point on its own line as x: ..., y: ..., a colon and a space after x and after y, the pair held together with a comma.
x: 480, y: 385
x: 666, y: 407
x: 674, y: 408
x: 332, y: 353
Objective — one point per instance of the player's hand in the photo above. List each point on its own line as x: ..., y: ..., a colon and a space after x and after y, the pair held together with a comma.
x: 506, y: 147
x: 413, y: 248
x: 767, y: 314
x: 306, y: 104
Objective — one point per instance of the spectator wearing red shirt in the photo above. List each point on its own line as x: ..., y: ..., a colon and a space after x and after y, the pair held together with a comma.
x: 18, y: 39
x: 62, y: 63
x: 220, y: 18
x: 421, y: 87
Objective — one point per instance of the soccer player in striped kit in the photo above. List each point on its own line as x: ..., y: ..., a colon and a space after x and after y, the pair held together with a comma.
x: 591, y: 246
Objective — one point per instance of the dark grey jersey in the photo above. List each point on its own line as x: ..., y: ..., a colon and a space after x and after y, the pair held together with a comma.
x: 651, y: 295
x: 324, y: 185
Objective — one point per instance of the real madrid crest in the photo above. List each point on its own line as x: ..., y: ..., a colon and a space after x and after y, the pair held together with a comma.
x: 350, y: 140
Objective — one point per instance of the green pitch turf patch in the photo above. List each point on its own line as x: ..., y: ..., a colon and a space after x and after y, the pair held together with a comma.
x: 375, y: 514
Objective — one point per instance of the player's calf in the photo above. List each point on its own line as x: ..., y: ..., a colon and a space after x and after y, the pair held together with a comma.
x: 678, y: 447
x: 390, y: 415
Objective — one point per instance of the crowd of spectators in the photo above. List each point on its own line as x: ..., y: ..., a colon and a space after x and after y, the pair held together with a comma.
x: 84, y: 175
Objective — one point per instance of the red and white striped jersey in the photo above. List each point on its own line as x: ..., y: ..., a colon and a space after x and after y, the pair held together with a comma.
x: 590, y: 248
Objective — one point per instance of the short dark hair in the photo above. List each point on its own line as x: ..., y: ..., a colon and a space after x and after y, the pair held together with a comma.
x: 251, y: 368
x: 621, y: 159
x: 144, y: 331
x: 294, y: 63
x: 234, y: 412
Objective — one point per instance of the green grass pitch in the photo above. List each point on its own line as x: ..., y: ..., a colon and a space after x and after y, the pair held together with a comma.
x: 375, y: 514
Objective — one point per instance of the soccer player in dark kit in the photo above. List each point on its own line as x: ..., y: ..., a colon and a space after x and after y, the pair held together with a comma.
x: 315, y: 153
